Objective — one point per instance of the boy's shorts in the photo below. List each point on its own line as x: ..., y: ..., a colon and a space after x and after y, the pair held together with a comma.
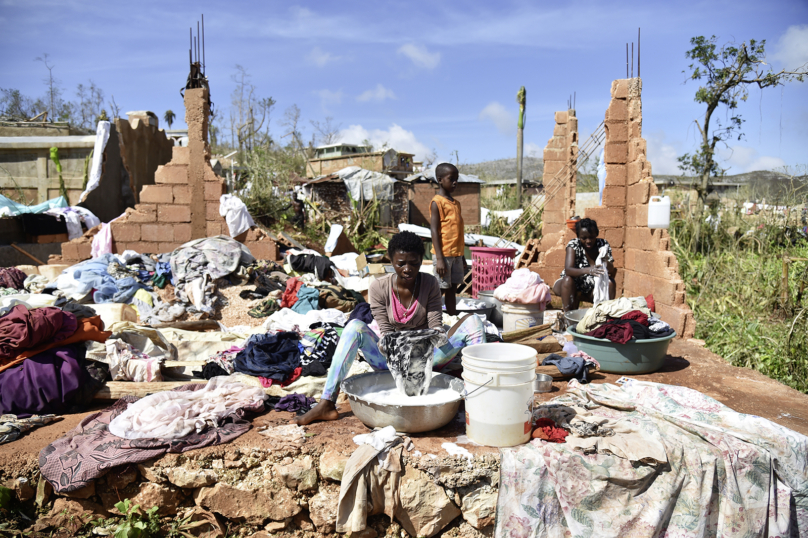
x: 454, y: 272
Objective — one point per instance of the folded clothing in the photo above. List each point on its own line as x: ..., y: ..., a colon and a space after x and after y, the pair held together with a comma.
x: 11, y: 277
x: 273, y: 356
x: 621, y: 331
x: 22, y: 329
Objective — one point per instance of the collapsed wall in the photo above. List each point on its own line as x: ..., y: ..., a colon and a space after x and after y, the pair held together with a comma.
x: 559, y: 179
x: 645, y: 264
x: 181, y: 205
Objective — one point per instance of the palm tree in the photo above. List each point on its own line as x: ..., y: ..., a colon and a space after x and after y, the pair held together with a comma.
x: 521, y: 98
x: 169, y: 117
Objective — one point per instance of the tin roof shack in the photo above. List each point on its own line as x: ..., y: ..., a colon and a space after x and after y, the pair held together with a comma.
x: 498, y: 187
x: 425, y: 188
x: 335, y: 157
x: 331, y: 192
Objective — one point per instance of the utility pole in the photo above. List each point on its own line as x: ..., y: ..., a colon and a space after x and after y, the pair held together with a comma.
x: 521, y: 98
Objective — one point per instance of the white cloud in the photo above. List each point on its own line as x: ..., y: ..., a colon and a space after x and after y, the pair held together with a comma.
x: 534, y: 150
x: 395, y: 137
x: 321, y: 58
x: 740, y: 159
x: 662, y: 155
x: 500, y: 116
x: 792, y: 48
x: 328, y: 97
x: 420, y: 56
x: 377, y: 94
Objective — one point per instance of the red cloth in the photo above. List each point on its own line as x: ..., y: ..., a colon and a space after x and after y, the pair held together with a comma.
x: 22, y: 329
x: 548, y: 430
x: 289, y: 297
x: 619, y: 333
x: 267, y: 382
x: 651, y: 303
x: 637, y: 316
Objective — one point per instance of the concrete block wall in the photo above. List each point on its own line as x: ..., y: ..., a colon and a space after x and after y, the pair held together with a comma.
x: 560, y: 172
x: 182, y: 204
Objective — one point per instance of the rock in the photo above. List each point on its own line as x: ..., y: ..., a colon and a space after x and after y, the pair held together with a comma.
x: 323, y: 510
x: 369, y: 532
x: 191, y: 478
x: 302, y: 522
x: 480, y: 508
x: 424, y: 507
x: 82, y: 493
x: 23, y: 489
x: 152, y: 473
x: 332, y: 465
x: 299, y: 474
x: 70, y: 514
x: 151, y: 494
x: 213, y: 529
x: 275, y: 526
x: 43, y: 491
x: 120, y: 479
x: 255, y: 507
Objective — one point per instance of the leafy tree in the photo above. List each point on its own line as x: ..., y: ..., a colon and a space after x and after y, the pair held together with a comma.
x: 726, y: 74
x: 169, y: 117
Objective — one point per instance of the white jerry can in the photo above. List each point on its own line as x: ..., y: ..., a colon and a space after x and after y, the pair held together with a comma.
x: 659, y: 212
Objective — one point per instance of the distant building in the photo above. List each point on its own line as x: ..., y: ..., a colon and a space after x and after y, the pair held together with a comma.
x: 333, y: 158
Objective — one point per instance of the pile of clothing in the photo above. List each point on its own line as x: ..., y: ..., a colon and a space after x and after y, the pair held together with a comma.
x: 622, y: 320
x: 524, y: 287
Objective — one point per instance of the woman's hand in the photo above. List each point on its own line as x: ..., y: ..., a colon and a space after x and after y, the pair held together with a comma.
x: 595, y: 271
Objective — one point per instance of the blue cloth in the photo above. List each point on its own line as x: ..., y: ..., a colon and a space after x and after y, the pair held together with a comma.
x: 15, y: 208
x: 274, y: 356
x: 92, y: 275
x: 574, y: 366
x: 164, y: 268
x: 307, y: 299
x: 362, y: 313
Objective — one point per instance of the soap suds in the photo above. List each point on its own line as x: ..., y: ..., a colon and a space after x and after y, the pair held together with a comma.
x: 455, y: 450
x: 392, y: 396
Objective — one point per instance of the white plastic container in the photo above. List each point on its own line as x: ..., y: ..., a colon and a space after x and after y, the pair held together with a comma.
x: 499, y: 407
x: 517, y: 316
x: 659, y: 212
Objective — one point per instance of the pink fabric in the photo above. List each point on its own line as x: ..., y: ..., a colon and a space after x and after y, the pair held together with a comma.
x: 525, y: 287
x: 400, y: 314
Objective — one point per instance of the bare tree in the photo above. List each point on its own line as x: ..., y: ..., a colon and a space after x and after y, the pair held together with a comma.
x: 291, y: 120
x: 116, y: 110
x: 249, y: 114
x: 52, y: 84
x: 325, y: 132
x: 91, y: 98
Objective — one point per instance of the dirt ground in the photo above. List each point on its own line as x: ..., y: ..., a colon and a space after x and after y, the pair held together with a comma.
x: 687, y: 364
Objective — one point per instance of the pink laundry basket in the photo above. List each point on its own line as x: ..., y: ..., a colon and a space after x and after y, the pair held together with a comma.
x: 490, y: 267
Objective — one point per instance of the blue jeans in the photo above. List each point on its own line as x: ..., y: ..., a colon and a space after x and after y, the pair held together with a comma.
x: 357, y: 335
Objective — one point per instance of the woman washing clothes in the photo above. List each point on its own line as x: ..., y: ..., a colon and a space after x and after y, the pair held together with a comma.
x: 406, y: 300
x: 577, y: 281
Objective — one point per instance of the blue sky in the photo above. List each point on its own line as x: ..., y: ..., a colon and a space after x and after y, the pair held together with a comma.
x: 423, y: 76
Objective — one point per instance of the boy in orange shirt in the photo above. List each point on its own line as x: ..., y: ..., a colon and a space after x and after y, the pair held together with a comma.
x: 448, y: 245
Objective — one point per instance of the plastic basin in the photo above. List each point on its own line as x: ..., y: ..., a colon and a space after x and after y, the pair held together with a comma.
x: 633, y: 357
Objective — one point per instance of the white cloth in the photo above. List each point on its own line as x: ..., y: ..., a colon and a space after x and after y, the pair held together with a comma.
x: 525, y: 287
x: 128, y: 364
x: 601, y: 175
x: 175, y: 414
x: 235, y: 214
x: 510, y: 216
x: 94, y: 176
x: 74, y: 216
x: 601, y: 291
x: 333, y: 237
x: 35, y: 283
x: 29, y: 300
x: 287, y: 319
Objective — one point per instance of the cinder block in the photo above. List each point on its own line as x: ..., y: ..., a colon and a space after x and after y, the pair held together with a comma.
x: 619, y: 257
x: 608, y: 217
x: 639, y: 193
x: 560, y: 130
x: 620, y: 88
x: 182, y: 194
x: 84, y: 251
x: 157, y: 194
x: 173, y: 213
x: 636, y: 284
x: 615, y: 153
x: 636, y: 149
x: 617, y: 111
x: 679, y: 318
x: 172, y: 174
x: 619, y: 279
x: 556, y: 257
x: 615, y: 236
x: 70, y: 251
x: 142, y: 213
x: 551, y: 168
x: 616, y: 131
x: 180, y: 155
x: 614, y: 196
x: 637, y: 215
x: 642, y: 238
x: 629, y: 258
x: 635, y: 110
x: 679, y: 300
x: 167, y: 247
x: 572, y: 125
x: 558, y: 142
x: 635, y: 129
x: 263, y: 250
x: 157, y: 233
x: 214, y: 190
x: 615, y: 174
x: 211, y: 211
x: 561, y: 117
x: 125, y: 232
x: 214, y: 228
x: 554, y: 217
x: 634, y: 172
x: 145, y: 247
x: 555, y: 154
x: 182, y: 232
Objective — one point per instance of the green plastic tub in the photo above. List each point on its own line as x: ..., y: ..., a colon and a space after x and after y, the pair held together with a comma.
x: 633, y: 357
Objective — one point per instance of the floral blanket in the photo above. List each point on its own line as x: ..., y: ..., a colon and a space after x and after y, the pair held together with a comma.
x: 727, y: 473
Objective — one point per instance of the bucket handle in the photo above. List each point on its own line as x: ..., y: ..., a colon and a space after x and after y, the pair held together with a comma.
x: 467, y: 394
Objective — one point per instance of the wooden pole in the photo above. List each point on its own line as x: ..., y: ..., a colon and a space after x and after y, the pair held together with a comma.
x: 21, y: 251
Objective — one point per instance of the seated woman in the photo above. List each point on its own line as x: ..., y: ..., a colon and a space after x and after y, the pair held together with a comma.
x: 403, y: 301
x: 577, y: 280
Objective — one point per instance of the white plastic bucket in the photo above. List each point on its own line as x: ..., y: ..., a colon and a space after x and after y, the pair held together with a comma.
x: 516, y: 316
x: 499, y: 393
x: 659, y: 212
